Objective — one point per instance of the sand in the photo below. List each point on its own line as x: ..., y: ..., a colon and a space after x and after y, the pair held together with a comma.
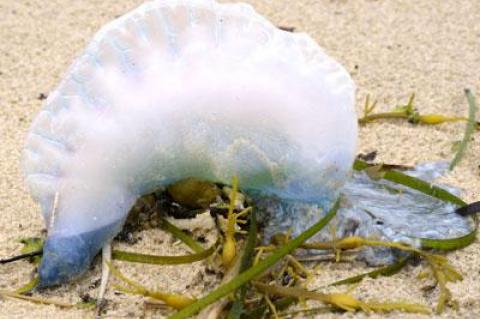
x: 392, y: 48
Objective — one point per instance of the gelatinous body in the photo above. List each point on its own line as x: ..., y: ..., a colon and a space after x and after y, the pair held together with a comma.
x: 178, y: 89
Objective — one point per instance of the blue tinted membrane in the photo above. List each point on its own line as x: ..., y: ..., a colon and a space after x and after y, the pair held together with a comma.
x: 66, y: 258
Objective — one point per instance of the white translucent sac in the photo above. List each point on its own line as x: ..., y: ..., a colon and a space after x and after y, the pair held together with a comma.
x: 178, y: 89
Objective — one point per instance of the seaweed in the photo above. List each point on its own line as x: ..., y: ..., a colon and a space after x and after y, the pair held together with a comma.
x: 410, y: 113
x: 238, y: 305
x: 273, y: 279
x: 175, y: 301
x: 256, y: 270
x: 469, y: 129
x: 342, y: 301
x: 162, y: 260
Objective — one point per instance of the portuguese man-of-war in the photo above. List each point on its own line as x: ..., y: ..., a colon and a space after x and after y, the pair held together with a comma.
x: 178, y: 89
x: 194, y: 88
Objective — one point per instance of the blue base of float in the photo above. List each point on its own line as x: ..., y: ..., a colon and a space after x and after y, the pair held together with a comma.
x: 68, y: 257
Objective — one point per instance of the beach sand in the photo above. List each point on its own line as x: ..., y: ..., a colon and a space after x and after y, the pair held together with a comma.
x: 392, y: 49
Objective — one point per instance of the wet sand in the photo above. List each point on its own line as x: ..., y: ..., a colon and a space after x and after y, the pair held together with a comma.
x: 391, y: 48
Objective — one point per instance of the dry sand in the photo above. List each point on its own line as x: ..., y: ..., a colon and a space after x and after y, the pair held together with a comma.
x: 392, y: 48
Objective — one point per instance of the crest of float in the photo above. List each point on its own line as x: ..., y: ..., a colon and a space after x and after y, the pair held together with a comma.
x: 178, y: 89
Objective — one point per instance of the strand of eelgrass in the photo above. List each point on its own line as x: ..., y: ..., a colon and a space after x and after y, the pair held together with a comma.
x: 161, y: 260
x: 414, y: 183
x: 181, y: 235
x: 469, y: 129
x: 38, y: 300
x: 383, y: 271
x: 260, y: 310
